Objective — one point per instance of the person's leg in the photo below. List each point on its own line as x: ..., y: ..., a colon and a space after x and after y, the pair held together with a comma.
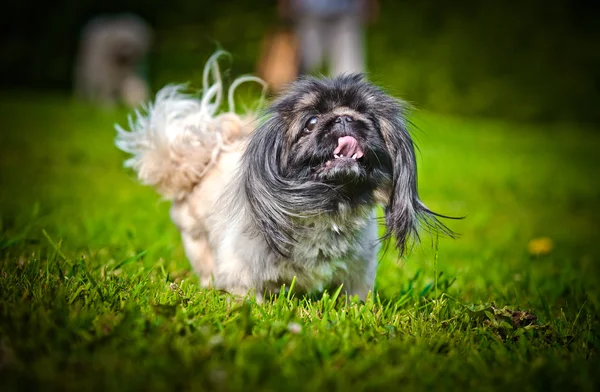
x: 346, y: 44
x: 310, y: 33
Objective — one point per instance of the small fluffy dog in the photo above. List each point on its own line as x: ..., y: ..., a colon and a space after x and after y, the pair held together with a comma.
x: 293, y: 198
x: 110, y: 51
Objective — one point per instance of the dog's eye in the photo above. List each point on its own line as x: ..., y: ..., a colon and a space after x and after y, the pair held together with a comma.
x: 311, y: 124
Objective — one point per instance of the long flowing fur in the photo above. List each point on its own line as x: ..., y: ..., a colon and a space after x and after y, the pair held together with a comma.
x: 176, y: 140
x: 275, y: 201
x: 405, y: 213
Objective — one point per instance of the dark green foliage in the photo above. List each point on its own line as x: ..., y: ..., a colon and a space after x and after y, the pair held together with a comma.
x: 533, y: 60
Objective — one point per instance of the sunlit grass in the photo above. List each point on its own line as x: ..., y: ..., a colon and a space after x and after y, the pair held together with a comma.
x: 95, y: 290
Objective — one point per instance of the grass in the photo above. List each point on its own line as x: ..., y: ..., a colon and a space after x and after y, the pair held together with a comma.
x: 96, y: 293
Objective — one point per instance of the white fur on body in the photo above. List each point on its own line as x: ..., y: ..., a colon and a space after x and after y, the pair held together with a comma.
x: 190, y: 154
x: 333, y: 251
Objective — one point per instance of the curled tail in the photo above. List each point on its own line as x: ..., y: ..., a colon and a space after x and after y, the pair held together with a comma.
x: 177, y: 139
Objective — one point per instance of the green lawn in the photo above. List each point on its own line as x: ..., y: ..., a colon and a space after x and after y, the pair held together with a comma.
x: 96, y: 293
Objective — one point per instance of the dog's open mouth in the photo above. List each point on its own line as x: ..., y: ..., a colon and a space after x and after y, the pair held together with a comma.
x: 346, y: 155
x: 348, y: 148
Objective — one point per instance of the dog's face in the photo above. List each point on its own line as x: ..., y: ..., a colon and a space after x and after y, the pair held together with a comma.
x: 333, y: 135
x: 328, y: 143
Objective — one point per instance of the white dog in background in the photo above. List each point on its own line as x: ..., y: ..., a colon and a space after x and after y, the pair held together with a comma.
x: 110, y: 53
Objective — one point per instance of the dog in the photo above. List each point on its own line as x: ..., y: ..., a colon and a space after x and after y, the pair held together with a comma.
x: 293, y: 199
x: 110, y: 51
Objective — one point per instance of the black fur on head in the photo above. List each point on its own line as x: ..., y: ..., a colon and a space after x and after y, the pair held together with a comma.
x: 328, y: 143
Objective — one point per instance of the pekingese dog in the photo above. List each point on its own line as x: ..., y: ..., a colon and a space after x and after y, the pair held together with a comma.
x: 293, y: 198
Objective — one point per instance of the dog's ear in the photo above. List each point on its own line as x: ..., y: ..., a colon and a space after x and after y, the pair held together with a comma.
x: 274, y: 202
x: 405, y: 212
x: 261, y: 179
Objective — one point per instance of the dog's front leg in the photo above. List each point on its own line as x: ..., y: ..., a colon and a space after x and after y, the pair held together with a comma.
x: 362, y: 270
x: 361, y: 278
x: 200, y: 255
x: 236, y: 273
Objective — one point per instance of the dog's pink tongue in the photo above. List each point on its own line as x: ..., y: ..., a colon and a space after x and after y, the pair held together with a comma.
x: 348, y: 147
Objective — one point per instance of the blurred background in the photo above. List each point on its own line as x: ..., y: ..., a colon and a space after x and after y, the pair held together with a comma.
x: 525, y: 60
x: 507, y: 117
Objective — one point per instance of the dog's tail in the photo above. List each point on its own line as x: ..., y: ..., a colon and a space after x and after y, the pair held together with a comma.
x: 176, y: 140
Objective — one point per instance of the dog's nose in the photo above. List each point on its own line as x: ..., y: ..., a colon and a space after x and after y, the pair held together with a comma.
x: 344, y: 118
